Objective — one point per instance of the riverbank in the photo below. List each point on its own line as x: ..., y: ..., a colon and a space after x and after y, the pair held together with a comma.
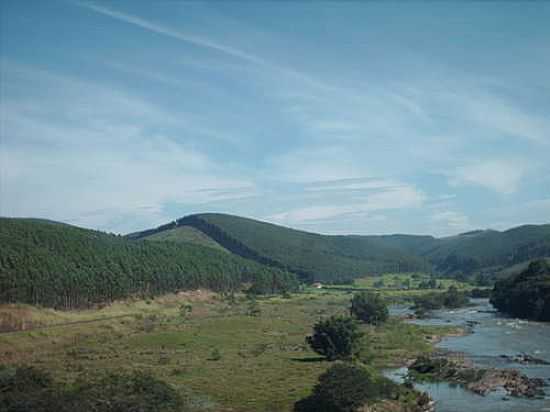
x: 515, y: 355
x: 478, y: 380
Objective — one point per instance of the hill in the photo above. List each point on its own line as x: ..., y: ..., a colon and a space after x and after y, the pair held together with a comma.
x: 516, y: 269
x: 336, y: 258
x: 58, y: 265
x: 312, y: 256
x: 526, y: 295
x: 475, y: 251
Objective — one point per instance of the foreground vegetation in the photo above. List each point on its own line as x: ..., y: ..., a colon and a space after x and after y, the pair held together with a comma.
x: 29, y: 389
x: 219, y: 353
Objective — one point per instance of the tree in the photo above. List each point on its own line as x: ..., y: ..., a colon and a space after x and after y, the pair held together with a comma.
x: 346, y: 388
x: 335, y: 338
x: 369, y: 308
x: 25, y: 389
x: 454, y: 299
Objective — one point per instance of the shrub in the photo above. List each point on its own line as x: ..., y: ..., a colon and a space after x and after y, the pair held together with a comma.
x: 335, y: 338
x: 346, y: 388
x: 215, y: 355
x: 253, y: 308
x: 369, y: 308
x: 27, y: 389
x: 185, y: 310
x: 135, y: 391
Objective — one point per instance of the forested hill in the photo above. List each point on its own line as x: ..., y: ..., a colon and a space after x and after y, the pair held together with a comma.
x: 312, y: 256
x: 59, y: 265
x: 475, y: 251
x: 328, y: 258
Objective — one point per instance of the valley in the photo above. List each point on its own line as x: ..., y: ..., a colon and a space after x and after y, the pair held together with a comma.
x: 222, y: 356
x: 217, y: 308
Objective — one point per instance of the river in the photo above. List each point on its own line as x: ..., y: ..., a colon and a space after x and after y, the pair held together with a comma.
x: 492, y: 335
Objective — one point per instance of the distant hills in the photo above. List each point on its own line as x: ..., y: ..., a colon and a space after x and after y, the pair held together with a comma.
x: 55, y: 264
x: 336, y: 258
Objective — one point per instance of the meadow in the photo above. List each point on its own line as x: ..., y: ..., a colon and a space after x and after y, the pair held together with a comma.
x: 224, y: 353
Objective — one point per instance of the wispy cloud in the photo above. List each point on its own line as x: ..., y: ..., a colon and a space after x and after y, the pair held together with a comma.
x: 222, y: 111
x: 501, y: 175
x: 83, y: 157
x: 176, y: 34
x: 381, y: 200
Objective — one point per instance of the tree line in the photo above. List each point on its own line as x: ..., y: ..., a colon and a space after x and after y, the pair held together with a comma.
x: 57, y: 265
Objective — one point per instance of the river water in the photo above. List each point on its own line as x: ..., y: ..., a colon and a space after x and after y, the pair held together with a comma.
x: 492, y: 335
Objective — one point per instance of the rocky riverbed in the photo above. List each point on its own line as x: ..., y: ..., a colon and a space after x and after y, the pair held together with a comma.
x: 479, y: 380
x: 492, y: 342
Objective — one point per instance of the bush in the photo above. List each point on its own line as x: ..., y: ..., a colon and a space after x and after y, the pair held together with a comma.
x: 369, y: 308
x: 215, y: 355
x: 335, y: 338
x: 346, y: 388
x: 454, y: 299
x: 26, y: 389
x: 253, y: 308
x: 432, y: 301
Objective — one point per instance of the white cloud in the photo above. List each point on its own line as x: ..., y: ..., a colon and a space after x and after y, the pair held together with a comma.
x: 502, y: 176
x: 351, y: 185
x: 316, y: 165
x: 399, y: 197
x: 90, y: 157
x: 450, y: 219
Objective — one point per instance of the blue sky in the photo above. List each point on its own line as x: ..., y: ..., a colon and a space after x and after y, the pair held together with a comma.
x: 370, y: 117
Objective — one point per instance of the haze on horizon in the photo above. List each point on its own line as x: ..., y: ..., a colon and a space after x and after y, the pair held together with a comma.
x: 364, y: 118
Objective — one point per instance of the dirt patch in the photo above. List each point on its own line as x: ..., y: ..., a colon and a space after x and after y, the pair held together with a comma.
x: 199, y: 295
x: 15, y: 318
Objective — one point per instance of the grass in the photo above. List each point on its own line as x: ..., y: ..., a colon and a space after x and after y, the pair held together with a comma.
x: 218, y: 354
x: 393, y: 289
x: 187, y: 234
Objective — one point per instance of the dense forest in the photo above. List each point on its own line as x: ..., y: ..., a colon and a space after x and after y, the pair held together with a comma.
x: 311, y: 256
x: 58, y: 265
x: 526, y: 295
x: 54, y: 264
x: 337, y: 258
x: 478, y: 251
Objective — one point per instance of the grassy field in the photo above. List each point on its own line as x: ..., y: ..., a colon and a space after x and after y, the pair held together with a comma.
x: 187, y: 234
x: 220, y: 355
x: 396, y: 280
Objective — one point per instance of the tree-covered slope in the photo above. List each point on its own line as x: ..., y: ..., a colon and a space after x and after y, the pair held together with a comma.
x: 59, y: 265
x: 473, y: 251
x: 477, y: 250
x: 516, y: 269
x: 311, y: 255
x: 327, y: 258
x: 526, y: 295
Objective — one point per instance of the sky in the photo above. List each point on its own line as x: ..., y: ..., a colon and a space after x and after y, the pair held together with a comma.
x: 338, y: 118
